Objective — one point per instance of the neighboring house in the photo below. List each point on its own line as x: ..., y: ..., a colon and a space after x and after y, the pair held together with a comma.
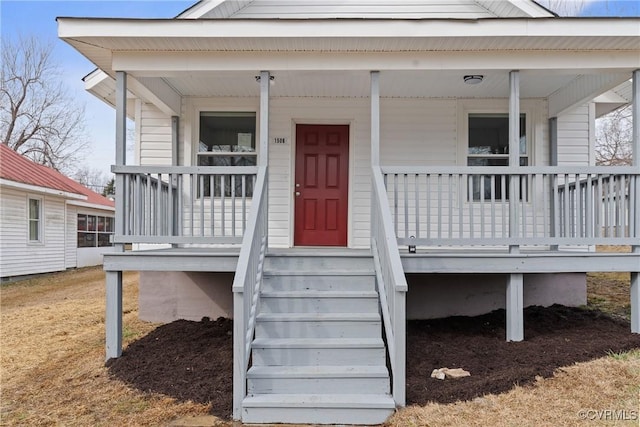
x: 48, y: 222
x: 292, y: 154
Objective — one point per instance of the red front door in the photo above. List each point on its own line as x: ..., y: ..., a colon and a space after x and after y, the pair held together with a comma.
x: 322, y: 185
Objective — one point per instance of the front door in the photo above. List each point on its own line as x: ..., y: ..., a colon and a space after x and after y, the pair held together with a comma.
x: 321, y: 185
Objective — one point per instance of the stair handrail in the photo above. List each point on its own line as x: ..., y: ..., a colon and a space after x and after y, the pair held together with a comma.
x: 246, y: 287
x: 391, y: 283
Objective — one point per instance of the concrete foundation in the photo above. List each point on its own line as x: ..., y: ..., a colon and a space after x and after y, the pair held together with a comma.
x: 441, y: 295
x: 168, y: 296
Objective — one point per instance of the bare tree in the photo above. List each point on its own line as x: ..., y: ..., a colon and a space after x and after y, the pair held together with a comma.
x: 93, y: 179
x: 614, y: 137
x: 38, y: 118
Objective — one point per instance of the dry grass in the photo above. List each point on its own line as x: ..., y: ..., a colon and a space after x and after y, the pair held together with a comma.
x: 611, y: 383
x: 52, y: 367
x: 52, y: 356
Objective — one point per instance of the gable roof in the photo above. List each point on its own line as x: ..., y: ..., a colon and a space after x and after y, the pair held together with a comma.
x: 19, y: 169
x: 380, y: 9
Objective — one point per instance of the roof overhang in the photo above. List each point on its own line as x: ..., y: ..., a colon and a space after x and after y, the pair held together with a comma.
x: 40, y: 190
x: 161, y: 56
x: 91, y: 205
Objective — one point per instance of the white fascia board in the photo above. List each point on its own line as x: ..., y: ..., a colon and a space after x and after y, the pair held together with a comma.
x: 91, y: 206
x: 175, y: 63
x: 199, y: 9
x: 582, y: 89
x: 87, y: 29
x: 38, y: 189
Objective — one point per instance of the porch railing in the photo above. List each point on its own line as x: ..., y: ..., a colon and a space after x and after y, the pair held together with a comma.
x: 184, y: 205
x: 246, y: 288
x: 447, y: 206
x: 391, y: 285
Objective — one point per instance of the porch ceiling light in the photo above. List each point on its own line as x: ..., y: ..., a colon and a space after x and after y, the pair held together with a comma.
x: 473, y: 79
x: 271, y: 78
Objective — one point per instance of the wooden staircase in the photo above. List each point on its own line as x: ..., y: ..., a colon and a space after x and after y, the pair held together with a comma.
x: 318, y: 355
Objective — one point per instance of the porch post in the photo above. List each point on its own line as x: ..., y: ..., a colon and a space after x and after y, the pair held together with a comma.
x: 514, y: 297
x: 121, y: 151
x: 635, y: 275
x: 514, y: 154
x: 113, y: 313
x: 375, y: 118
x: 175, y: 154
x: 553, y: 161
x: 265, y: 78
x: 515, y: 307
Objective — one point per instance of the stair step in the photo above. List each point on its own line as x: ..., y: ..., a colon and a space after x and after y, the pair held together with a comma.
x: 355, y: 371
x: 319, y: 302
x: 317, y: 408
x: 311, y: 273
x: 318, y: 379
x: 318, y: 317
x: 312, y: 351
x: 325, y: 281
x: 319, y: 261
x: 318, y: 325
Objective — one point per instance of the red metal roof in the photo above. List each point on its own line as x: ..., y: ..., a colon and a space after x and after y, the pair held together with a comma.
x: 16, y: 168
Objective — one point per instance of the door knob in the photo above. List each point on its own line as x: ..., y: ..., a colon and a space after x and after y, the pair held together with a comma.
x: 297, y: 193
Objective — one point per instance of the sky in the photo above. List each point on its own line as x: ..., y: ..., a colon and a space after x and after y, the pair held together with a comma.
x: 38, y: 17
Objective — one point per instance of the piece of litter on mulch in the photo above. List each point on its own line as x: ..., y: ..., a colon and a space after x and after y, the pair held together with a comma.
x: 443, y: 373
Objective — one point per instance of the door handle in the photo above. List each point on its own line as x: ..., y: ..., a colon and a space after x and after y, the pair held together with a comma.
x: 297, y: 193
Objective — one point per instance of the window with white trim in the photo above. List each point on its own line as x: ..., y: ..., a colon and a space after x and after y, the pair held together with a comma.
x: 488, y: 145
x: 35, y: 220
x: 94, y: 231
x: 227, y: 139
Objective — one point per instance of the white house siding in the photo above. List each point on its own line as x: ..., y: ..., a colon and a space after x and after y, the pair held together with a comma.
x: 575, y: 137
x: 274, y: 9
x: 71, y: 239
x: 19, y: 257
x: 155, y: 136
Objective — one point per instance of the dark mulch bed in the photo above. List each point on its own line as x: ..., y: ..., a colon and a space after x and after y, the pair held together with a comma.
x: 194, y: 361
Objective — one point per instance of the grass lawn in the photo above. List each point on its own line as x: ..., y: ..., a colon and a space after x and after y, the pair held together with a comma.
x: 52, y: 367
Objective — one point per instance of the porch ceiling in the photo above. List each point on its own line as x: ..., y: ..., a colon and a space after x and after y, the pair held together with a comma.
x: 404, y: 84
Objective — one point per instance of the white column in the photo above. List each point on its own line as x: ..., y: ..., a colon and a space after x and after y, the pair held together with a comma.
x: 113, y: 314
x: 635, y: 275
x: 553, y: 161
x: 375, y: 118
x: 265, y: 79
x: 121, y: 152
x: 515, y: 307
x: 514, y: 155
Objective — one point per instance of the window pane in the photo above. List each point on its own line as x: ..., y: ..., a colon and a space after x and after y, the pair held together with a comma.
x: 109, y: 225
x: 91, y: 223
x: 34, y: 209
x: 227, y: 132
x: 34, y: 230
x: 82, y: 222
x: 103, y: 239
x: 86, y: 240
x: 102, y: 223
x: 489, y: 134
